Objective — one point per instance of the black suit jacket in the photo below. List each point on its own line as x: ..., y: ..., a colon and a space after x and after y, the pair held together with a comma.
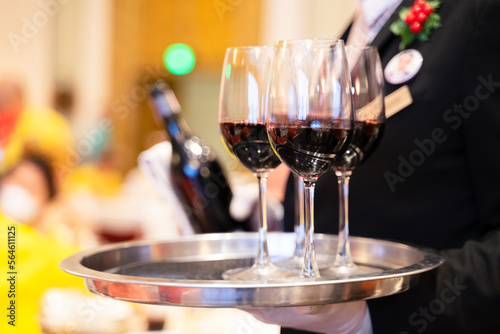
x: 434, y: 179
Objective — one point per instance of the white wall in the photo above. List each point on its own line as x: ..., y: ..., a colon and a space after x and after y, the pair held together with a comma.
x: 91, y: 61
x: 26, y: 31
x: 288, y: 19
x: 44, y: 42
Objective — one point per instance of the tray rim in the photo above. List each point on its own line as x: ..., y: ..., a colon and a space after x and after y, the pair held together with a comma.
x: 73, y: 264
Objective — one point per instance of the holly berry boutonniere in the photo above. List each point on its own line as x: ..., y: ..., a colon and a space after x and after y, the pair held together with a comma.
x: 417, y: 22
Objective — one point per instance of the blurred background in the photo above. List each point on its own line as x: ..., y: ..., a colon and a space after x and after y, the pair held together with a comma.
x: 73, y: 104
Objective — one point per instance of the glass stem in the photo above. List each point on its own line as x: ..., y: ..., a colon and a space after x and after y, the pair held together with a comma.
x: 299, y: 217
x: 343, y: 258
x: 262, y: 258
x: 310, y: 267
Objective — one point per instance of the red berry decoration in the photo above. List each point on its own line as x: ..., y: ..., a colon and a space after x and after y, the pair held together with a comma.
x: 416, y: 9
x: 410, y: 18
x: 416, y: 27
x: 428, y: 9
x: 421, y: 17
x: 417, y: 22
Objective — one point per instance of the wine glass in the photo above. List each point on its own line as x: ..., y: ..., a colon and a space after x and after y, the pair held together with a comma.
x: 299, y: 224
x: 296, y: 261
x: 242, y: 126
x: 369, y: 117
x: 309, y: 117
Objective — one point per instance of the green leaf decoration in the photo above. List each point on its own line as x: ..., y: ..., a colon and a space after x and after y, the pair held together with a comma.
x: 398, y: 27
x: 407, y: 37
x: 403, y: 12
x: 434, y: 4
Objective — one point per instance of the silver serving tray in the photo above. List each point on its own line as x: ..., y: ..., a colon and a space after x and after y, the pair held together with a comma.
x: 187, y: 271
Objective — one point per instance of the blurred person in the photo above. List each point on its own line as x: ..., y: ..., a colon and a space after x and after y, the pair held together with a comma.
x: 37, y: 130
x: 433, y: 181
x: 44, y: 230
x: 11, y: 106
x: 30, y: 195
x: 45, y: 134
x: 26, y: 189
x: 36, y: 151
x: 47, y: 300
x: 36, y: 260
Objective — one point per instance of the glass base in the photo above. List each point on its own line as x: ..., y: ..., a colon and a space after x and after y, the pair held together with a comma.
x: 267, y: 273
x: 347, y: 271
x: 296, y: 263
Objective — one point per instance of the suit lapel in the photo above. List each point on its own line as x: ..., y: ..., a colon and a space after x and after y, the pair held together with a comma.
x: 346, y: 32
x: 385, y: 34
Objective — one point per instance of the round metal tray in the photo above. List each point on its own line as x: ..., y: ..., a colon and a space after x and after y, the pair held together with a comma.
x: 187, y: 271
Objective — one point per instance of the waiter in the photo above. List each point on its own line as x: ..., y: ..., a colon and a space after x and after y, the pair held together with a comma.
x: 434, y: 179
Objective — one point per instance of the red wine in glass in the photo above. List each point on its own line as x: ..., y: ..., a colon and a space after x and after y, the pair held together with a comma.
x: 309, y: 118
x: 249, y: 143
x: 309, y: 150
x: 369, y: 118
x: 242, y: 126
x: 365, y: 138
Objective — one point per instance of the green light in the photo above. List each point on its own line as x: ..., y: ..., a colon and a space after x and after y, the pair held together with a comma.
x: 228, y: 71
x: 179, y: 59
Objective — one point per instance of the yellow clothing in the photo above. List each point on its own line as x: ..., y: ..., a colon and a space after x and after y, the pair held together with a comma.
x: 44, y: 132
x: 97, y: 181
x: 34, y: 269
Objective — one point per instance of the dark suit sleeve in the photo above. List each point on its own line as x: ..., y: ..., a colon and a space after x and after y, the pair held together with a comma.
x: 470, y: 277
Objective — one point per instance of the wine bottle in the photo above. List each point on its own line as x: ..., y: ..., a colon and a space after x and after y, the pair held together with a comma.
x: 197, y: 177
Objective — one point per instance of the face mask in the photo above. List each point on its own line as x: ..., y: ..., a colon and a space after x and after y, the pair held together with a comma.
x: 17, y: 203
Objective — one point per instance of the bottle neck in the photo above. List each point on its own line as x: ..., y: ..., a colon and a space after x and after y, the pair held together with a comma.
x: 179, y: 133
x: 178, y: 130
x: 168, y: 110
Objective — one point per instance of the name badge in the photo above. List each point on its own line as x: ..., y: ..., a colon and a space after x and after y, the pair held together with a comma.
x: 403, y: 66
x: 397, y: 101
